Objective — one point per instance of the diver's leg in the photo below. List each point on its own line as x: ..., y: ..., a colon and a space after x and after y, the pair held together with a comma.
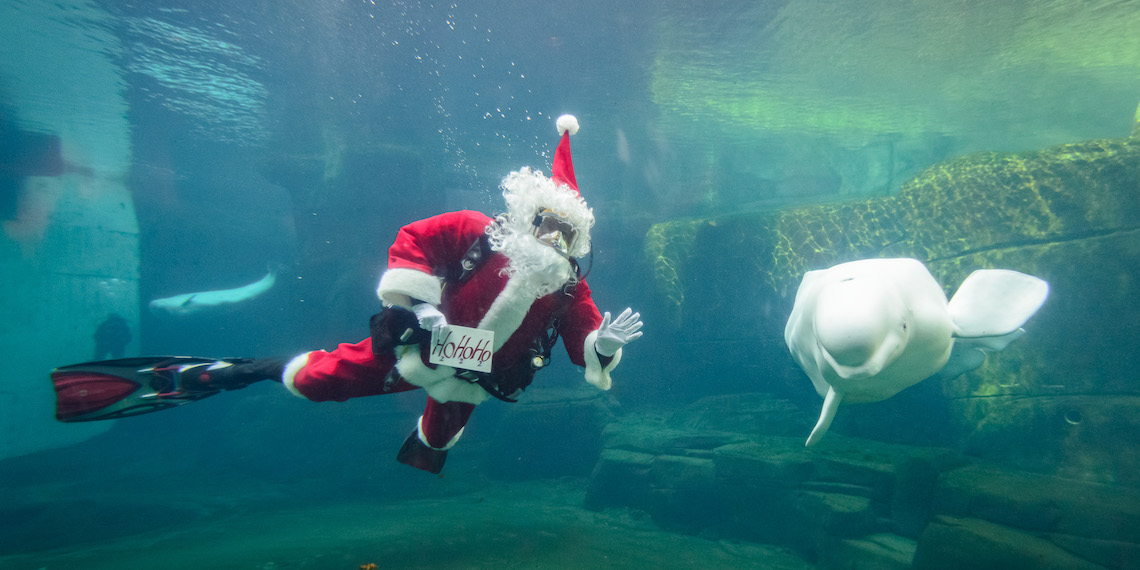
x: 438, y: 430
x: 353, y: 371
x: 231, y: 374
x: 349, y: 371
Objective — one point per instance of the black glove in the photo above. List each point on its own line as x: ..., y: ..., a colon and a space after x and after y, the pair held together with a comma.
x: 394, y: 326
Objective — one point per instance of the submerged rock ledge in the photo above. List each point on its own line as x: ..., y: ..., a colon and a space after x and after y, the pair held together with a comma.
x: 851, y: 502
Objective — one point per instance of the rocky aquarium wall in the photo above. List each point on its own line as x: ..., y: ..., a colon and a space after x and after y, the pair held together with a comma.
x: 1029, y: 461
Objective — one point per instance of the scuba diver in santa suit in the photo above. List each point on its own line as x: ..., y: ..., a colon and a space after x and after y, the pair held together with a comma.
x: 516, y: 275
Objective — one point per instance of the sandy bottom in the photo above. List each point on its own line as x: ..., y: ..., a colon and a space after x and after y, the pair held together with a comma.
x: 517, y: 525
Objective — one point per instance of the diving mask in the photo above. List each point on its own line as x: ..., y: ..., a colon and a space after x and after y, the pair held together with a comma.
x: 551, y: 228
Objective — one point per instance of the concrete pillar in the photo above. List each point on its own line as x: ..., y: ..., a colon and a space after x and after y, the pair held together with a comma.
x: 69, y: 246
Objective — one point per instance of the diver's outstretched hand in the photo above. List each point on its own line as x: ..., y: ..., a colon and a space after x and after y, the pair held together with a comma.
x: 625, y: 329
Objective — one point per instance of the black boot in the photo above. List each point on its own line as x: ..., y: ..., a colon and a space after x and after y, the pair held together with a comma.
x: 231, y: 374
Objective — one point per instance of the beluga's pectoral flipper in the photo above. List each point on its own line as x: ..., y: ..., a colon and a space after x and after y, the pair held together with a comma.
x: 865, y: 330
x: 988, y: 311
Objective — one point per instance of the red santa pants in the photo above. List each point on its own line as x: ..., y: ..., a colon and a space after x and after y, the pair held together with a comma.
x: 353, y: 371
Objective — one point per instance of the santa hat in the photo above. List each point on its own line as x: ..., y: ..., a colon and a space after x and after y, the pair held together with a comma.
x: 528, y: 192
x: 562, y: 171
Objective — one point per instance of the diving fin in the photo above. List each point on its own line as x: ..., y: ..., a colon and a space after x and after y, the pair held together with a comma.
x: 418, y: 454
x: 110, y: 389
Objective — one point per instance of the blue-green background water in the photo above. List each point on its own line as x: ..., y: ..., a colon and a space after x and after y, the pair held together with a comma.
x: 302, y: 135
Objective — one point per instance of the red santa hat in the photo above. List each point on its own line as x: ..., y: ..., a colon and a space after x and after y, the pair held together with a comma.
x: 562, y: 171
x: 528, y: 192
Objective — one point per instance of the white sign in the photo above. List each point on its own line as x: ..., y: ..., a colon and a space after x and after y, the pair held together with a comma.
x: 463, y: 347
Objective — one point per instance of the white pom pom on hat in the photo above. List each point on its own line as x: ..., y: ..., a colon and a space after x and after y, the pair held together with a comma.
x: 563, y: 168
x: 567, y: 123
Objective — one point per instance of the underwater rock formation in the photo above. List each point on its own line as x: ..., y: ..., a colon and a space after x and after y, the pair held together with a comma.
x: 1062, y: 400
x: 734, y: 467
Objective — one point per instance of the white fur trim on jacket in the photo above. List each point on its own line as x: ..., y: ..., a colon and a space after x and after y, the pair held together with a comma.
x: 423, y: 439
x: 440, y: 383
x: 507, y: 312
x: 399, y: 285
x: 288, y: 377
x: 597, y: 374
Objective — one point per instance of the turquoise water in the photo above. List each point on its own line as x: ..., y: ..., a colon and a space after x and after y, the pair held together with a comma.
x: 152, y: 149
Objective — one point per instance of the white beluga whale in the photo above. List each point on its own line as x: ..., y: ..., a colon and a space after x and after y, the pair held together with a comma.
x: 865, y: 330
x: 190, y: 303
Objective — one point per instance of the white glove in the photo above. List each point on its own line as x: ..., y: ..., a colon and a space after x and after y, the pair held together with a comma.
x: 430, y: 318
x: 623, y: 330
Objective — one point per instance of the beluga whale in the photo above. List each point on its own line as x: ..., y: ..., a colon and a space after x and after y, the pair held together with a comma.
x: 865, y: 330
x: 191, y: 303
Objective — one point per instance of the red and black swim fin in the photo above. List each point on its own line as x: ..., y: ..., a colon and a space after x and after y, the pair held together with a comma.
x: 110, y: 389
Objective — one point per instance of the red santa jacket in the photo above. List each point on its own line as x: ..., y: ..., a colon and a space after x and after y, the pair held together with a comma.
x: 427, y: 252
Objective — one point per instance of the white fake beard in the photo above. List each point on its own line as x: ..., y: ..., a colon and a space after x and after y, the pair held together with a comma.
x: 541, y: 269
